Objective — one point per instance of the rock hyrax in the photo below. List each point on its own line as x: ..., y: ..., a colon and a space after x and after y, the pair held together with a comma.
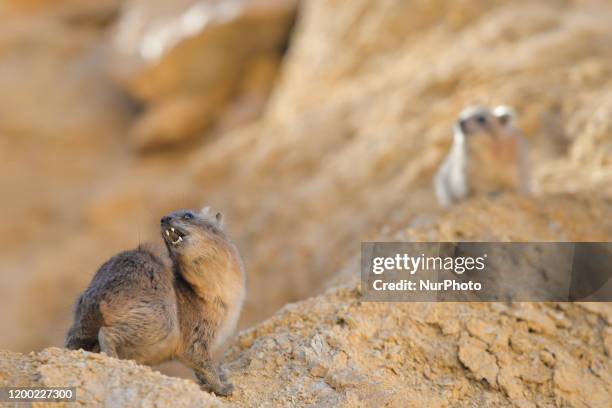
x: 488, y: 155
x: 154, y: 306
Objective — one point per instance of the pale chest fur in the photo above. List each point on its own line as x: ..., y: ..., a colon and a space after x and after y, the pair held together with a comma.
x: 228, y: 324
x: 493, y: 164
x: 222, y: 286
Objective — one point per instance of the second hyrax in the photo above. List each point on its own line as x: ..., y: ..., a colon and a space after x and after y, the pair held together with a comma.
x: 154, y: 307
x: 489, y: 154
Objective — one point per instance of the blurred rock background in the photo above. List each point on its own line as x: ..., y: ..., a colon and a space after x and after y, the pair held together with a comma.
x: 104, y: 105
x: 313, y: 126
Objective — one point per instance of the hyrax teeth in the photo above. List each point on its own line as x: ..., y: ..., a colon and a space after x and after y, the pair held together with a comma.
x: 180, y: 239
x: 172, y: 228
x: 167, y: 233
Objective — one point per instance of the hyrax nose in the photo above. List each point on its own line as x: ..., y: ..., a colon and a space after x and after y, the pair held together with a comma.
x: 165, y: 220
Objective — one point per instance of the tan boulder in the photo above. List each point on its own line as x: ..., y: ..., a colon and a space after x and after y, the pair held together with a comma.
x: 188, y: 60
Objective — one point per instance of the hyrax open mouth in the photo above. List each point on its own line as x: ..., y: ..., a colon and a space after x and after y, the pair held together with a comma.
x: 175, y: 236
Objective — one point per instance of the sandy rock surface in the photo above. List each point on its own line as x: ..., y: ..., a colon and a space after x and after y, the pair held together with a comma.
x: 337, y: 351
x: 100, y: 381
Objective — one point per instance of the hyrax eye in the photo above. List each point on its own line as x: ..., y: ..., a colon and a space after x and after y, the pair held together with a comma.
x: 188, y: 216
x: 481, y: 119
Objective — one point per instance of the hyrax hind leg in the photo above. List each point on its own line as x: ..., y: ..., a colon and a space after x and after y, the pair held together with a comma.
x: 198, y: 358
x: 144, y: 331
x: 77, y: 338
x: 83, y: 334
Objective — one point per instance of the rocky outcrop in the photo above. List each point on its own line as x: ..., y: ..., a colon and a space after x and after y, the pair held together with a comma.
x: 334, y: 350
x: 99, y: 380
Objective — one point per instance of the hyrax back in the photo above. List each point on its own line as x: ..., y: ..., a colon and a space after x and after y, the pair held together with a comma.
x: 153, y: 306
x: 130, y: 301
x: 488, y: 155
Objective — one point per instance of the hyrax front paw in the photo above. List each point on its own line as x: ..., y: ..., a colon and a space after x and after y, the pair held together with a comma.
x: 224, y: 390
x: 209, y: 381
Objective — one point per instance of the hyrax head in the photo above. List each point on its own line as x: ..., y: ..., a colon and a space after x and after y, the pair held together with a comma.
x: 185, y: 231
x: 483, y: 120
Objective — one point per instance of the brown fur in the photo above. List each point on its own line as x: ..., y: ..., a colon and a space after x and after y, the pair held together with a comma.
x: 489, y: 155
x: 153, y: 306
x: 493, y: 164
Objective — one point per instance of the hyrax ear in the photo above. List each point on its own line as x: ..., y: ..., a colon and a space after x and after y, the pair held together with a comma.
x: 505, y: 114
x: 219, y: 218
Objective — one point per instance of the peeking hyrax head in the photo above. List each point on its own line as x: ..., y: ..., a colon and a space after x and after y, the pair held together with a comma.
x: 186, y: 231
x: 483, y: 120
